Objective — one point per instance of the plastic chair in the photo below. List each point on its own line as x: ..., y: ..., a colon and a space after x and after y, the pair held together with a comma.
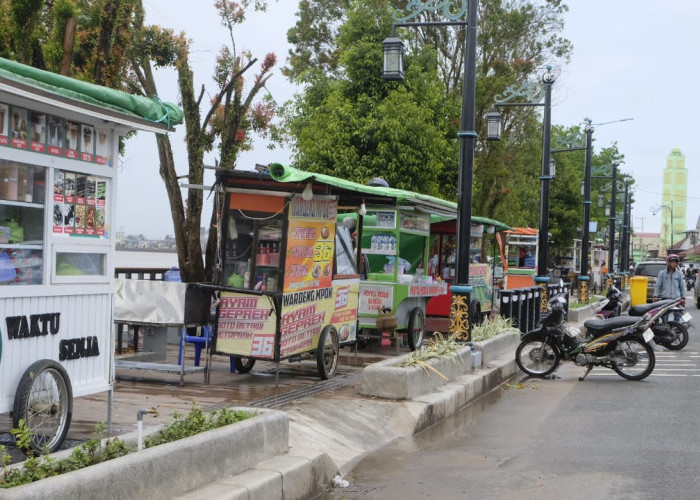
x: 200, y: 342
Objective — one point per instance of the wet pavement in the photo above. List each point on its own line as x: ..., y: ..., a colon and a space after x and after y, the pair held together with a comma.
x: 267, y: 385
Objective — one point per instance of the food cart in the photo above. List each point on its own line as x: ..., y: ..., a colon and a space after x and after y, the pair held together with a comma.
x: 443, y: 251
x: 292, y: 284
x: 59, y: 141
x: 519, y: 247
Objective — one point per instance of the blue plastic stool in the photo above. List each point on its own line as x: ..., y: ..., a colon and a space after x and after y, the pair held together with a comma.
x: 199, y: 343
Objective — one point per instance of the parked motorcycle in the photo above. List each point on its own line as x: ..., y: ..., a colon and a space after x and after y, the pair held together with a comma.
x: 610, y: 306
x: 669, y: 333
x: 620, y: 344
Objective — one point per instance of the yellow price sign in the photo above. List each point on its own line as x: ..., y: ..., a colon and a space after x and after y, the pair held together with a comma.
x: 323, y: 251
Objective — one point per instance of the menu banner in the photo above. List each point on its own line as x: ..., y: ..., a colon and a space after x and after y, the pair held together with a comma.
x: 79, y: 204
x: 305, y: 314
x: 47, y: 134
x: 310, y: 243
x: 246, y: 325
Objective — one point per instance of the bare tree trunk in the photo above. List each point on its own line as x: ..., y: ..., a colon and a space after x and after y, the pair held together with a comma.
x: 68, y: 44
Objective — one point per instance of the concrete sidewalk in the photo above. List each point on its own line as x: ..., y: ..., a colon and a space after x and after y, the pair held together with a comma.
x: 330, y: 425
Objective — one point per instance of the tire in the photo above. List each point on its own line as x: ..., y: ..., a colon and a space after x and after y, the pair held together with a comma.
x: 44, y: 399
x: 328, y: 352
x: 243, y: 365
x: 537, y: 357
x: 415, y: 332
x: 475, y: 316
x: 633, y: 359
x: 697, y: 297
x: 681, y: 333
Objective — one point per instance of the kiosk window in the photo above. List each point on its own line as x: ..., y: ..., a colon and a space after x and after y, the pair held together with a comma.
x: 344, y: 253
x: 22, y: 193
x: 81, y: 264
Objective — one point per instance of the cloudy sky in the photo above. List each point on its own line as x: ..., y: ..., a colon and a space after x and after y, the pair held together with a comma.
x: 632, y: 59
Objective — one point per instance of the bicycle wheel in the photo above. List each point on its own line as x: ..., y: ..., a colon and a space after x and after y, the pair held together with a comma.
x: 328, y: 352
x: 536, y: 357
x: 243, y: 365
x: 44, y: 399
x: 633, y: 359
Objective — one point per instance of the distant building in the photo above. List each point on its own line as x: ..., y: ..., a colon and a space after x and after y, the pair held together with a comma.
x: 674, y: 201
x: 645, y: 246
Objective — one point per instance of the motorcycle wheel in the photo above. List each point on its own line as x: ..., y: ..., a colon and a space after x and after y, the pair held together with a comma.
x: 537, y: 357
x: 680, y: 332
x: 637, y: 359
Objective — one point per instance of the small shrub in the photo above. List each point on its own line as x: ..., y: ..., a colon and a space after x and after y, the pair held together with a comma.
x: 94, y: 451
x: 435, y: 347
x: 490, y: 328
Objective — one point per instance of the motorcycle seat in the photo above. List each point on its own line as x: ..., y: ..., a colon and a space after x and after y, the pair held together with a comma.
x: 598, y: 327
x: 642, y: 309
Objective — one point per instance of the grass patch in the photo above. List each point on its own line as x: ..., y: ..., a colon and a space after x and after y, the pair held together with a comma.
x: 95, y: 451
x: 490, y: 328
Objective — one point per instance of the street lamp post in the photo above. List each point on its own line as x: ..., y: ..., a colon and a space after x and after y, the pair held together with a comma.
x: 584, y: 277
x: 625, y: 245
x: 461, y: 290
x: 613, y: 220
x: 493, y: 119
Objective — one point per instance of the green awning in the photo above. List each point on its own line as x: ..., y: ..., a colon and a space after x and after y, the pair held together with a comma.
x: 152, y: 110
x: 437, y: 207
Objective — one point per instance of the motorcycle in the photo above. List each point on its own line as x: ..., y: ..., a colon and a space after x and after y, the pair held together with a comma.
x: 610, y: 306
x: 621, y: 344
x: 669, y: 333
x: 689, y: 282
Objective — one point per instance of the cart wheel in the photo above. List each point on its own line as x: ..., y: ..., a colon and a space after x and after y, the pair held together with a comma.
x: 328, y: 352
x: 243, y: 365
x: 44, y: 399
x: 475, y: 315
x: 416, y: 328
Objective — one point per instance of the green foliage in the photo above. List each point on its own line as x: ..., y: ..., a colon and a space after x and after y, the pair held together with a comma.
x: 437, y: 346
x: 96, y: 451
x: 490, y: 328
x: 194, y: 422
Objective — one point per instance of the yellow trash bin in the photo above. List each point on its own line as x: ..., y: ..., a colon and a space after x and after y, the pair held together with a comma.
x: 638, y: 290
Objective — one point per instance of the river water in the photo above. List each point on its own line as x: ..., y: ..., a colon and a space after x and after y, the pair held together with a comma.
x: 145, y: 259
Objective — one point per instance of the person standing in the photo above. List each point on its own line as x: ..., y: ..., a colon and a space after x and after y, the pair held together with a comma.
x: 669, y: 282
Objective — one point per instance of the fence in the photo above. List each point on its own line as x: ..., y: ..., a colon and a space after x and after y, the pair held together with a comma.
x: 522, y: 305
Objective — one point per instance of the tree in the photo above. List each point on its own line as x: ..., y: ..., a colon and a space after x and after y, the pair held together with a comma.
x: 515, y: 40
x: 227, y: 121
x: 351, y: 123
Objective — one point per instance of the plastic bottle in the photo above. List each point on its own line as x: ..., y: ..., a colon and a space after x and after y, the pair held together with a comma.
x: 246, y: 276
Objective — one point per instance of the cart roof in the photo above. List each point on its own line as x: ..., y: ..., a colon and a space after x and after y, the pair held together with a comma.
x: 438, y: 208
x: 69, y: 94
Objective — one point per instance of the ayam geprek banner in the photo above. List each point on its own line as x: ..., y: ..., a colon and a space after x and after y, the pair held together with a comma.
x: 246, y: 325
x: 310, y: 243
x: 306, y: 313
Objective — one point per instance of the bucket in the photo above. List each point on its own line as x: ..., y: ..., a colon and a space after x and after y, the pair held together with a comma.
x: 173, y: 274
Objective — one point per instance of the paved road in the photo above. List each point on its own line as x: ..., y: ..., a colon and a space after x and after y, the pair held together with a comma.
x: 602, y: 438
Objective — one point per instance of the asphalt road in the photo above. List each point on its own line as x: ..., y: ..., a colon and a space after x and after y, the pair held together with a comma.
x: 604, y: 437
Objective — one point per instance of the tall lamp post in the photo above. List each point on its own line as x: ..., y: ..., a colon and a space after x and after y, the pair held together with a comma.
x: 393, y: 70
x: 625, y: 245
x: 613, y: 218
x: 532, y: 90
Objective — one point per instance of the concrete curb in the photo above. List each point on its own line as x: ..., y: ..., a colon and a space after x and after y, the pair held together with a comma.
x: 164, y: 471
x: 386, y: 380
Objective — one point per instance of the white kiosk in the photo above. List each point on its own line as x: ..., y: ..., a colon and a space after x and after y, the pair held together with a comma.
x: 59, y: 141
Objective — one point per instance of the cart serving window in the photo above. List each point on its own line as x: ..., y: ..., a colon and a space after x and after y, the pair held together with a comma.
x: 58, y: 145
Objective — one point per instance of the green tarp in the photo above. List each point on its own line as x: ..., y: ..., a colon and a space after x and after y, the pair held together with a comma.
x: 153, y: 110
x: 448, y: 209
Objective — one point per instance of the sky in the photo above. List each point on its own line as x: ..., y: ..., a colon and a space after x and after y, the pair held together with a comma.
x: 631, y: 59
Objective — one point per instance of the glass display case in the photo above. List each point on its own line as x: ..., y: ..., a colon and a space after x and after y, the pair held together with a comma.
x: 21, y: 223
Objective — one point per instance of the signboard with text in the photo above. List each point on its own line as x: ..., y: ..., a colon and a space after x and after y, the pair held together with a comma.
x: 246, y: 325
x: 310, y: 243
